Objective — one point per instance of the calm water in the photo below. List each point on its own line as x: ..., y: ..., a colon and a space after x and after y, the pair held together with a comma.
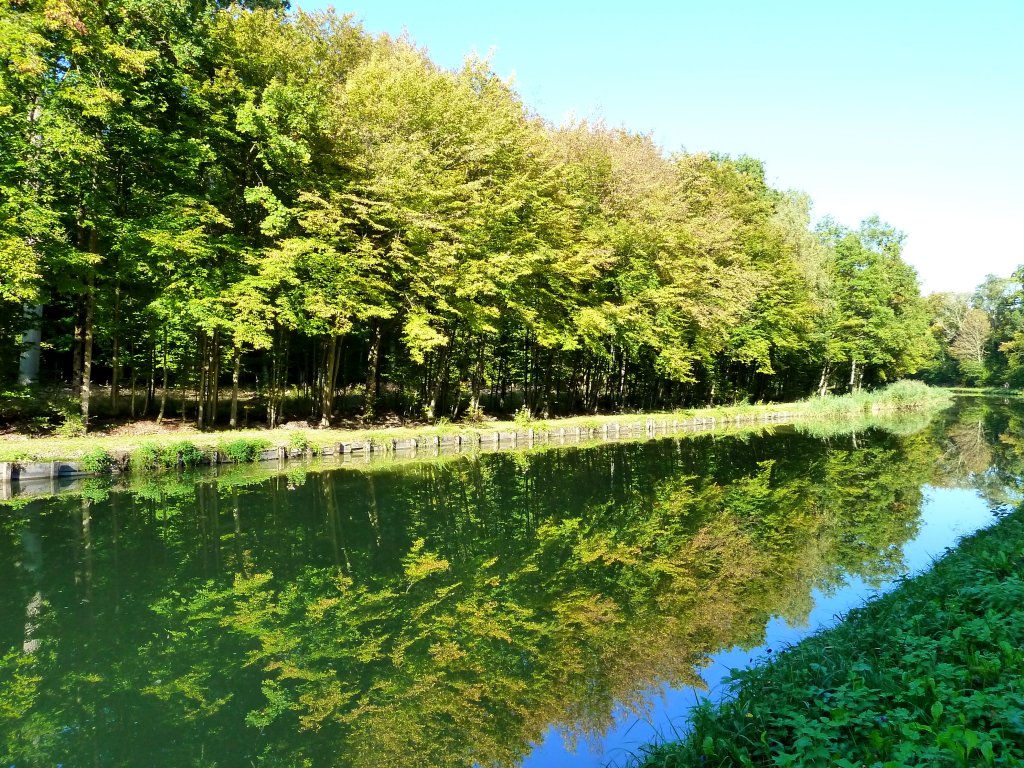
x: 559, y: 607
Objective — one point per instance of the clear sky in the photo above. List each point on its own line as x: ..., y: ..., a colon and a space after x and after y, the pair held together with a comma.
x: 907, y: 109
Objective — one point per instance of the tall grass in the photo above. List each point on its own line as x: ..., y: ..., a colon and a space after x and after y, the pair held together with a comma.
x: 903, y: 395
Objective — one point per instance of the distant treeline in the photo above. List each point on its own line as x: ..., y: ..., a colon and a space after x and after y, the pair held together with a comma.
x: 980, y: 335
x: 198, y: 198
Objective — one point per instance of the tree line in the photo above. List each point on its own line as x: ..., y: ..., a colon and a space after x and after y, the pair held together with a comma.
x: 980, y: 335
x: 201, y: 200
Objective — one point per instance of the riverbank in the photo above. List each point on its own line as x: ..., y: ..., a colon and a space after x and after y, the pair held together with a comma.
x: 99, y: 452
x: 930, y: 674
x: 987, y: 391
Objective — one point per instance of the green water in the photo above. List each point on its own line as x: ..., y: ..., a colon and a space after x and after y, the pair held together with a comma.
x: 463, y: 611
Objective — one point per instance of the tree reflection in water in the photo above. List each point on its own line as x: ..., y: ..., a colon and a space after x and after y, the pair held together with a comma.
x: 439, y: 613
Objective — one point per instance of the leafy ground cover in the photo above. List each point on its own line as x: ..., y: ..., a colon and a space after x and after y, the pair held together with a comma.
x: 930, y: 674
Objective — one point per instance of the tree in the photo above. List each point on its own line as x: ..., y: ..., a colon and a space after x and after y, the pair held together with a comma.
x: 879, y: 324
x: 971, y: 343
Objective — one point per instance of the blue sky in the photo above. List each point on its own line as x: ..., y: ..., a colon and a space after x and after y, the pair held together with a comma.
x: 910, y: 110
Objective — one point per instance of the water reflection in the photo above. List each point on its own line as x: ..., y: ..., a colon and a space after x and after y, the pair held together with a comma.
x: 441, y: 613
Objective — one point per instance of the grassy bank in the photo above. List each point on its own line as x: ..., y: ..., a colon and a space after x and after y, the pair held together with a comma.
x: 930, y: 674
x: 987, y: 391
x: 151, y: 451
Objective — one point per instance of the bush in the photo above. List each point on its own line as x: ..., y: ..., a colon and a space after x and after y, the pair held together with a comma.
x: 523, y: 418
x: 245, y: 450
x: 298, y: 441
x: 149, y: 456
x: 96, y: 460
x: 190, y: 455
x: 146, y: 456
x: 72, y: 426
x: 474, y: 415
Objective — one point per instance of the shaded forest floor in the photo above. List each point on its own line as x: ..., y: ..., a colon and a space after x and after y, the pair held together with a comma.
x: 930, y: 674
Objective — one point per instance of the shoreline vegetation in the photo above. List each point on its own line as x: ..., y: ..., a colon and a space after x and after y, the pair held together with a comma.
x: 930, y: 674
x: 104, y: 453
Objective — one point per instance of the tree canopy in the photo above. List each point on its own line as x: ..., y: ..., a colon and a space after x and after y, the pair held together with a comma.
x: 196, y: 194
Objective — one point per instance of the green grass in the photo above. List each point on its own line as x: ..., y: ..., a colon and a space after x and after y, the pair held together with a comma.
x: 985, y: 391
x: 931, y: 674
x: 154, y: 451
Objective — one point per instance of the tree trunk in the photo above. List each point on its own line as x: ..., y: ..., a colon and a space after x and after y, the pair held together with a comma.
x: 477, y: 385
x: 151, y: 381
x: 204, y: 372
x: 853, y: 374
x: 544, y: 396
x: 86, y: 391
x: 115, y: 375
x: 440, y: 389
x: 235, y: 371
x: 31, y: 339
x: 622, y: 378
x: 823, y: 382
x: 372, y: 369
x: 329, y: 379
x: 214, y: 383
x: 163, y: 391
x: 133, y: 381
x: 76, y: 354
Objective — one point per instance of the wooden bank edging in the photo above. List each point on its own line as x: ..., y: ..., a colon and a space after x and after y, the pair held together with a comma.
x: 18, y: 472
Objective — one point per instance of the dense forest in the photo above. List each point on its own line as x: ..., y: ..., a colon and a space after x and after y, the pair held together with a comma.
x: 204, y: 204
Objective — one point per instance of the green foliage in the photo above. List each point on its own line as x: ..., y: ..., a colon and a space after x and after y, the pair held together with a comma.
x: 298, y: 441
x: 242, y: 188
x: 927, y: 675
x: 73, y: 425
x: 523, y: 418
x: 244, y: 450
x: 182, y: 453
x: 145, y: 457
x: 96, y: 460
x: 149, y: 456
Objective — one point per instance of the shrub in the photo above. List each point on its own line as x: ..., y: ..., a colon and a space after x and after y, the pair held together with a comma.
x: 38, y: 424
x: 245, y: 450
x: 907, y: 393
x: 523, y: 418
x: 474, y: 415
x: 72, y: 426
x: 190, y: 455
x: 146, y: 456
x: 96, y: 460
x: 298, y: 441
x: 150, y: 456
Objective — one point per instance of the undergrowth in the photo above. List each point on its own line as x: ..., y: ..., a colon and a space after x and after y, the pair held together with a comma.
x: 244, y: 450
x: 149, y: 456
